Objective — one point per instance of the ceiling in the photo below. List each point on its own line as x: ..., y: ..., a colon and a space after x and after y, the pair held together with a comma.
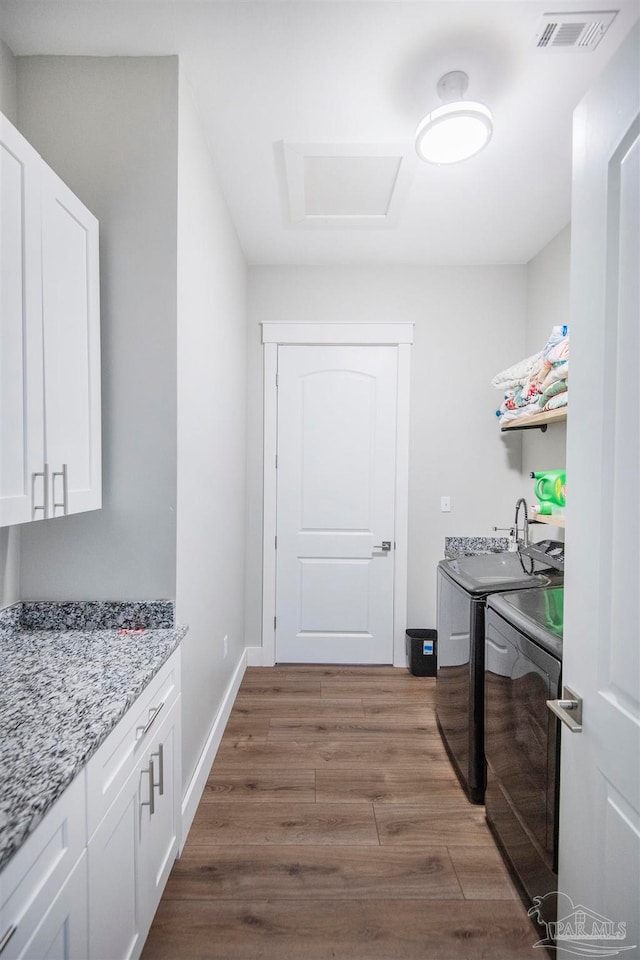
x: 331, y: 80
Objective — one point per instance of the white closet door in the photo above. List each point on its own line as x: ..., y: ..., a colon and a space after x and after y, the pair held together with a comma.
x: 21, y: 402
x: 600, y: 774
x: 337, y: 408
x: 71, y: 317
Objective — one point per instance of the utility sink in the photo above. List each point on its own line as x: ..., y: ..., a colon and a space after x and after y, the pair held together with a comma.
x: 478, y: 573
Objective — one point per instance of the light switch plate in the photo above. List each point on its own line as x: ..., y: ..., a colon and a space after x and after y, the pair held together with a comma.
x: 445, y: 504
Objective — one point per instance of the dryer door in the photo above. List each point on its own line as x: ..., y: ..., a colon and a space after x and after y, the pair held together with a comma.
x: 521, y: 746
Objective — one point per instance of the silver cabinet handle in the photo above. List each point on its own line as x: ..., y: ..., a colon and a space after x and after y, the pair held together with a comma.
x: 569, y: 710
x: 151, y: 802
x: 153, y: 715
x: 159, y: 753
x: 385, y: 546
x: 64, y: 473
x: 44, y: 506
x: 7, y: 936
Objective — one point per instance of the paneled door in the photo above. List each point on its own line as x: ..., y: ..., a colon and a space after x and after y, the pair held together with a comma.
x: 599, y: 867
x: 336, y: 471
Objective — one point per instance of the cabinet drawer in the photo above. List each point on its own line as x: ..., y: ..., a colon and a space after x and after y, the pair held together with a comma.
x: 32, y: 879
x: 111, y: 765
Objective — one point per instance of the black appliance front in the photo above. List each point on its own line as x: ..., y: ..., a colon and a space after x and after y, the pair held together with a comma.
x: 463, y: 587
x: 522, y: 744
x: 459, y: 695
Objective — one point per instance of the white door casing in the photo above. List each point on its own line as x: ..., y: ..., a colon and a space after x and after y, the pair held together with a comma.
x: 599, y: 866
x: 395, y: 336
x: 335, y: 504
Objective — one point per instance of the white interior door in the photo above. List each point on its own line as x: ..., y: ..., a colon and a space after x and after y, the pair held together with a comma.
x: 600, y: 774
x: 337, y: 413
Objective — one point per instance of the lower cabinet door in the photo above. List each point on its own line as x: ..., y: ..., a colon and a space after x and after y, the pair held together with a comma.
x: 62, y: 933
x: 115, y: 919
x: 133, y: 849
x: 159, y: 825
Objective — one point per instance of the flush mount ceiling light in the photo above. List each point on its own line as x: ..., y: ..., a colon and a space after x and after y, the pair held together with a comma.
x: 457, y: 130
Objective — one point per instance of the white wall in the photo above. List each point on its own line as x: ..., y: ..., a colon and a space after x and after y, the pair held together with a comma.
x: 212, y: 383
x: 469, y: 323
x: 8, y: 88
x: 548, y: 277
x: 9, y: 536
x: 108, y: 126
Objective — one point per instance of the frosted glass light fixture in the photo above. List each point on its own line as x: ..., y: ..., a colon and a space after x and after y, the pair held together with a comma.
x: 457, y: 130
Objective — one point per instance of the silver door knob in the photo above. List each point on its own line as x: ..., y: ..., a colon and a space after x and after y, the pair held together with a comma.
x: 385, y: 546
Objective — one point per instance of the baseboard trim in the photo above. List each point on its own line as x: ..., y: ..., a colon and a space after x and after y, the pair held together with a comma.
x: 197, y: 783
x: 254, y: 657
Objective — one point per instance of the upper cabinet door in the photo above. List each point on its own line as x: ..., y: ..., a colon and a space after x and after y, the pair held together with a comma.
x: 22, y: 477
x: 71, y: 322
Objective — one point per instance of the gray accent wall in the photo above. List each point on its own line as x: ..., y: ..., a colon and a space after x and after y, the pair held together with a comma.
x: 8, y: 83
x: 109, y: 128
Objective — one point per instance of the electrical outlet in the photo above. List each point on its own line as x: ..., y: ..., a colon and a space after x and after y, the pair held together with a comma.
x: 225, y: 645
x: 445, y: 504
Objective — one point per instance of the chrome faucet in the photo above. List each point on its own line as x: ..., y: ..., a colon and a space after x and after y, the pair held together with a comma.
x: 525, y: 529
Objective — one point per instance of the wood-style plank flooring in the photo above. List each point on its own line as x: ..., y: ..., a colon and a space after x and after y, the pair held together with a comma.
x: 332, y: 826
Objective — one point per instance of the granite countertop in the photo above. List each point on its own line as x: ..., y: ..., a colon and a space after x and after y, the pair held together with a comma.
x: 70, y: 671
x: 473, y: 546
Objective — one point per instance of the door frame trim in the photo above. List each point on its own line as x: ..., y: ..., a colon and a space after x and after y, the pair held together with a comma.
x: 275, y: 334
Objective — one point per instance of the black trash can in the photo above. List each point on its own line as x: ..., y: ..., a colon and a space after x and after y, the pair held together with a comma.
x: 422, y: 652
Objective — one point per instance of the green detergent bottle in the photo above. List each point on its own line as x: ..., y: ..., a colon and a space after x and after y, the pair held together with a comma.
x: 551, y: 487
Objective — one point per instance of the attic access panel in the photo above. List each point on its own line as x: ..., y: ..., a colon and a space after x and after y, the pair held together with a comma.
x: 347, y: 184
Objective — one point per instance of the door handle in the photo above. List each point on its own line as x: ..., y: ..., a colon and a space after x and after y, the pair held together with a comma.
x: 569, y: 709
x: 44, y: 506
x: 160, y: 755
x: 7, y: 936
x: 64, y: 506
x: 385, y: 546
x: 151, y: 802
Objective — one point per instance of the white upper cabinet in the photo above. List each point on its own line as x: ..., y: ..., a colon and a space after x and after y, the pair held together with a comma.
x: 21, y: 371
x: 50, y: 436
x: 71, y: 323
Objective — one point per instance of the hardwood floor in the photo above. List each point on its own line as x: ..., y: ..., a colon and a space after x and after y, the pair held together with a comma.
x: 332, y: 826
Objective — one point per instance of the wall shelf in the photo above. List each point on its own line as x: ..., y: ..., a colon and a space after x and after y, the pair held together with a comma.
x: 537, y: 421
x: 554, y: 521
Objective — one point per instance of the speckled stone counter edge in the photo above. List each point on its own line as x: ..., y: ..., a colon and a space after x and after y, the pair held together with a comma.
x: 470, y: 546
x: 97, y: 615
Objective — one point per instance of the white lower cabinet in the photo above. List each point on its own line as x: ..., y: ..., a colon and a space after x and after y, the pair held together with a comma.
x: 43, y: 889
x: 87, y: 882
x: 159, y: 826
x: 133, y: 848
x: 63, y: 932
x: 114, y: 868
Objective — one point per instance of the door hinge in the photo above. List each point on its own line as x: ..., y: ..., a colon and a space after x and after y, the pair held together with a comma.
x: 276, y: 379
x: 275, y: 620
x: 275, y: 539
x: 276, y: 461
